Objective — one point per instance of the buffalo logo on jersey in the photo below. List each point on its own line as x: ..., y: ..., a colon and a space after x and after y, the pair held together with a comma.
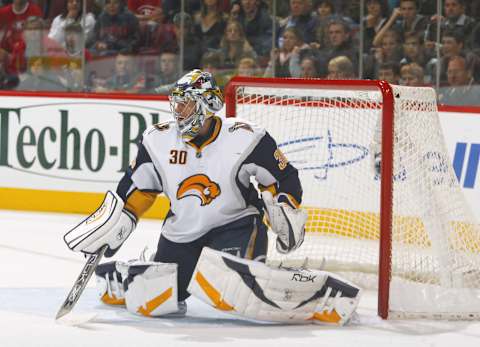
x: 200, y: 186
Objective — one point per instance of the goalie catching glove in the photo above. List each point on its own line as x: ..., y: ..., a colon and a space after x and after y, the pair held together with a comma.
x: 109, y: 225
x: 285, y: 221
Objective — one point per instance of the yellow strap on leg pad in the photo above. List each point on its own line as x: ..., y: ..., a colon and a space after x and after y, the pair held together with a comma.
x: 109, y: 284
x: 254, y: 290
x: 150, y: 287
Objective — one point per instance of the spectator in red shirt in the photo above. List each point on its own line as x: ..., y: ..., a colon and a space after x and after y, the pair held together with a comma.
x: 17, y: 12
x: 12, y: 19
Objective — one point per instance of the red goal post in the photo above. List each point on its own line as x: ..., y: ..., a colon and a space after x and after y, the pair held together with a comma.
x: 292, y: 101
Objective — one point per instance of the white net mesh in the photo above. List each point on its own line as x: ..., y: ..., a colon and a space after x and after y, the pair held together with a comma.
x: 328, y: 135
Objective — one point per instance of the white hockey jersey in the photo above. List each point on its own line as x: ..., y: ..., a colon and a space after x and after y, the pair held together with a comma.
x: 208, y: 183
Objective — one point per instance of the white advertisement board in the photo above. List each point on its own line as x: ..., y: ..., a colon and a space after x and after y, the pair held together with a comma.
x: 71, y: 144
x: 84, y: 144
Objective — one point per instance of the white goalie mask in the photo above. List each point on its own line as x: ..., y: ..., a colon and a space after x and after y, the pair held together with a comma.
x: 194, y: 98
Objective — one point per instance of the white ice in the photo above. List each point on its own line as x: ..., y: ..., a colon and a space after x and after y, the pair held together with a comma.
x: 37, y: 270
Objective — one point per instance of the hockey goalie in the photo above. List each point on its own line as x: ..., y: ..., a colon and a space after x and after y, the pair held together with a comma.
x: 213, y: 242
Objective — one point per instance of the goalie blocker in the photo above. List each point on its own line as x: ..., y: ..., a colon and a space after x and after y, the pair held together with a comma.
x: 110, y: 225
x: 254, y: 290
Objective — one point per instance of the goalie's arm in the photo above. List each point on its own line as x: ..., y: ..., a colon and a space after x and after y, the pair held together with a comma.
x: 116, y: 218
x: 140, y: 184
x: 273, y: 172
x: 281, y: 192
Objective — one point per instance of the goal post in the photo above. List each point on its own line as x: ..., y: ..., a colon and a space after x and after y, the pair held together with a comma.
x: 407, y: 232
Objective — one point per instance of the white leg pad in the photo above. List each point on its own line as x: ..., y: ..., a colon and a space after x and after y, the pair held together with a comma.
x: 257, y: 291
x: 150, y: 287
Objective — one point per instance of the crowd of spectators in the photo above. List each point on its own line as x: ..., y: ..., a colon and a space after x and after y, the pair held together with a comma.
x: 143, y: 46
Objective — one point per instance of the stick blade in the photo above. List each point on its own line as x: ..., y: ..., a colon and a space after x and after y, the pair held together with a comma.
x: 81, y: 282
x: 62, y: 312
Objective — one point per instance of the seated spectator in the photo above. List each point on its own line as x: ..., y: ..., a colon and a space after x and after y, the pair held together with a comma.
x: 13, y: 16
x: 412, y: 75
x: 125, y: 78
x: 341, y: 43
x: 404, y: 19
x: 389, y: 72
x: 453, y: 44
x: 168, y: 74
x: 340, y: 68
x: 301, y: 18
x: 72, y: 73
x: 413, y: 50
x: 211, y: 61
x: 39, y: 77
x: 234, y: 45
x: 455, y: 19
x: 309, y: 67
x: 7, y: 80
x: 324, y: 9
x: 192, y: 47
x: 156, y: 34
x: 280, y: 58
x: 53, y: 8
x: 461, y: 89
x: 210, y: 22
x: 299, y: 54
x: 257, y: 25
x: 389, y: 49
x: 374, y: 20
x: 73, y: 13
x: 247, y: 67
x: 116, y: 31
x: 12, y: 19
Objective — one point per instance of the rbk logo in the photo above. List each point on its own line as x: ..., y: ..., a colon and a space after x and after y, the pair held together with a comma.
x: 303, y: 278
x: 200, y: 186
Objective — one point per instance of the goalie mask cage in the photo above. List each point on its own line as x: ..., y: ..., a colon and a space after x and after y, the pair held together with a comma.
x: 409, y: 233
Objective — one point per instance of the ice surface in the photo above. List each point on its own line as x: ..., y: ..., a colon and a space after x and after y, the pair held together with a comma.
x: 37, y: 270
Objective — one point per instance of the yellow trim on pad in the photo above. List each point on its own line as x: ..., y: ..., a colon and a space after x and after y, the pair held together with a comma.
x: 66, y: 202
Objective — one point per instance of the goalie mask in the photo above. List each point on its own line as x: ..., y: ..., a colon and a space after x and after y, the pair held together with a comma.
x: 194, y: 98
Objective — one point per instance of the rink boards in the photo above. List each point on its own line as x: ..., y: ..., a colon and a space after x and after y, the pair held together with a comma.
x: 61, y: 152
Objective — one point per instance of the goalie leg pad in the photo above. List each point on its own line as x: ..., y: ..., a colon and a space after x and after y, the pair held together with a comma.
x: 257, y: 291
x: 150, y: 287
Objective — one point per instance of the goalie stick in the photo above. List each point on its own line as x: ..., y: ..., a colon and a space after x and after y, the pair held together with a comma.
x: 81, y: 282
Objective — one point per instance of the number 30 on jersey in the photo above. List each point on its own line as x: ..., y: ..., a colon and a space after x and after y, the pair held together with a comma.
x: 178, y: 157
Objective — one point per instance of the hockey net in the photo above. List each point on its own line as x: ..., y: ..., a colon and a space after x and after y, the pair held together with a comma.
x: 410, y: 233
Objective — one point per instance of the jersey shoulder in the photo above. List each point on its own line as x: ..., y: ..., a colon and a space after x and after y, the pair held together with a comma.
x: 160, y: 129
x: 242, y: 127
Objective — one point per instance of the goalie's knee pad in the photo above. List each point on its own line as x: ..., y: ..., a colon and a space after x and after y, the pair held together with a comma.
x: 254, y: 290
x: 145, y: 288
x: 150, y: 287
